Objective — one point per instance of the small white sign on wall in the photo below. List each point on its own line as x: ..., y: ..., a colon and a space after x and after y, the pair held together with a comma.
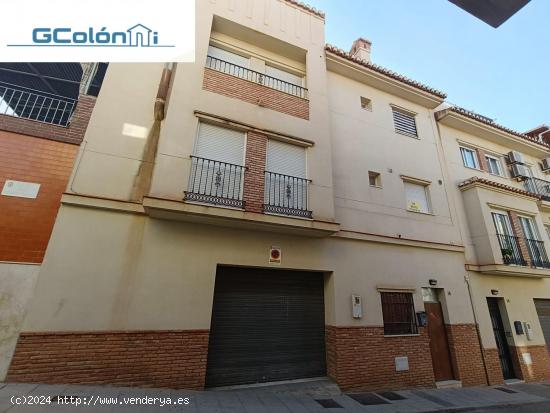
x: 20, y: 189
x: 401, y: 364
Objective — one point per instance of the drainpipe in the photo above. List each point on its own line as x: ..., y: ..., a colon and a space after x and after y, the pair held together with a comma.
x: 142, y: 181
x: 467, y: 279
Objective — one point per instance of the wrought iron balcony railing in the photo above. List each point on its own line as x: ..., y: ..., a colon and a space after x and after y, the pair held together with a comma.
x: 510, y: 250
x: 215, y: 182
x: 286, y: 195
x: 539, y: 187
x: 21, y: 102
x: 537, y: 253
x: 256, y: 77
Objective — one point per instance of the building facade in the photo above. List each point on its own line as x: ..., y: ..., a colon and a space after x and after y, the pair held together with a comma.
x: 280, y: 209
x: 499, y: 182
x: 39, y: 138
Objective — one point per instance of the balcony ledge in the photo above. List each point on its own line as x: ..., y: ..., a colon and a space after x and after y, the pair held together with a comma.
x: 236, y: 218
x: 509, y: 270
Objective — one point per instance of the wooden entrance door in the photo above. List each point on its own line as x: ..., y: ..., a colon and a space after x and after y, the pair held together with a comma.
x: 439, y: 346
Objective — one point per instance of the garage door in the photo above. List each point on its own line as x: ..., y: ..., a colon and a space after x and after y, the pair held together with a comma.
x: 543, y: 310
x: 267, y: 325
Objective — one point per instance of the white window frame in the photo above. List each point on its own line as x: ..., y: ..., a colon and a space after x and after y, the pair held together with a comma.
x: 476, y: 157
x: 498, y: 160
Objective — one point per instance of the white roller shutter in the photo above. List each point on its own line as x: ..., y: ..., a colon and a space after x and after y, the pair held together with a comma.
x: 417, y: 198
x: 284, y: 75
x: 220, y: 144
x: 285, y: 185
x: 284, y: 158
x: 230, y: 57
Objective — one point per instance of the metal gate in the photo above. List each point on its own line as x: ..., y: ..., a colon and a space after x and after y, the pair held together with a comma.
x: 500, y: 338
x: 267, y: 325
x: 543, y: 311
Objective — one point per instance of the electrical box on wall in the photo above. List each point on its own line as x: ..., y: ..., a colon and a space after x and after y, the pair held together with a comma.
x: 528, y: 331
x: 356, y: 306
x: 422, y: 318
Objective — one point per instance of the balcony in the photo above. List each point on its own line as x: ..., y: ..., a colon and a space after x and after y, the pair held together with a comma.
x: 25, y: 103
x: 538, y: 187
x: 286, y: 195
x: 510, y: 250
x: 537, y: 253
x: 214, y: 182
x: 256, y: 77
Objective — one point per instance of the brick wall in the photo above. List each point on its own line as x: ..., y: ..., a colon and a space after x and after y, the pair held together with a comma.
x: 361, y: 358
x: 494, y: 371
x: 174, y: 359
x: 254, y: 180
x: 74, y: 133
x: 466, y: 354
x: 36, y: 152
x: 255, y: 93
x: 518, y: 232
x: 539, y: 369
x: 26, y: 224
x: 482, y: 161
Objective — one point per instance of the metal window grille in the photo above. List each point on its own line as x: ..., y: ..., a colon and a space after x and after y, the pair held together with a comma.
x: 398, y: 313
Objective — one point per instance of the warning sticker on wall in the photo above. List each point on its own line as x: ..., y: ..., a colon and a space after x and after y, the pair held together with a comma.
x: 275, y: 255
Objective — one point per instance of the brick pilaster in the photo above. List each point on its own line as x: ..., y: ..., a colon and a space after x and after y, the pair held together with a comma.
x: 466, y: 354
x: 482, y: 160
x: 518, y: 232
x: 254, y: 180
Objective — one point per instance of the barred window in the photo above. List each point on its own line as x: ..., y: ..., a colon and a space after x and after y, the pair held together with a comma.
x: 404, y: 122
x: 398, y: 313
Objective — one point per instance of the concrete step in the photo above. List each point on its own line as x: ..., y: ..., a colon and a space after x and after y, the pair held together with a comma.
x: 448, y: 384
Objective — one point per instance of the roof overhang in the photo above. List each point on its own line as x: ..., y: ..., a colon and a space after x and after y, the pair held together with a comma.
x: 474, y: 127
x: 355, y: 71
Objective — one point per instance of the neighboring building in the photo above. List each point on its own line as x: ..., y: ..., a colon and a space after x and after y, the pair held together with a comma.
x: 501, y: 190
x: 40, y: 132
x: 279, y: 209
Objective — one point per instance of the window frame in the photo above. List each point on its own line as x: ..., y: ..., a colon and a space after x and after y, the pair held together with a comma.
x: 498, y: 161
x: 391, y: 319
x: 405, y: 112
x: 476, y: 157
x: 377, y: 179
x: 425, y: 186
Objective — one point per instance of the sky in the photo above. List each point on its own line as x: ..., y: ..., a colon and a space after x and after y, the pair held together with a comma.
x: 501, y: 73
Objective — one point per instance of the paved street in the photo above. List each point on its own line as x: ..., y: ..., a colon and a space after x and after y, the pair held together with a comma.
x: 296, y: 397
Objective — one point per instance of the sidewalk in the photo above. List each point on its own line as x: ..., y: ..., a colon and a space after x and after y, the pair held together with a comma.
x: 297, y: 398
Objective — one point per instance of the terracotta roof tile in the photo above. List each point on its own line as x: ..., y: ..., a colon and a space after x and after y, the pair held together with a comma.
x: 487, y: 121
x: 497, y: 185
x: 385, y: 71
x: 305, y: 7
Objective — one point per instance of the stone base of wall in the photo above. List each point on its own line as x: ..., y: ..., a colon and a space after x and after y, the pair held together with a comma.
x: 361, y: 358
x: 492, y: 362
x: 466, y: 354
x: 538, y: 370
x: 170, y: 359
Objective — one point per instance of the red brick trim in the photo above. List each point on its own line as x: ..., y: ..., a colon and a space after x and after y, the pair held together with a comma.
x: 539, y: 369
x: 476, y: 179
x: 466, y: 354
x: 494, y: 371
x: 481, y: 159
x: 518, y: 232
x: 255, y: 93
x: 361, y: 358
x: 74, y: 133
x: 170, y: 359
x: 254, y: 180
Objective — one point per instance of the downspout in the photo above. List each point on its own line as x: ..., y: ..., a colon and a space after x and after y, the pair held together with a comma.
x: 467, y: 279
x: 142, y: 181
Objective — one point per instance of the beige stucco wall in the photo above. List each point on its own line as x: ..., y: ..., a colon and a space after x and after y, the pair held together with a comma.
x: 17, y: 281
x: 366, y: 141
x: 134, y: 272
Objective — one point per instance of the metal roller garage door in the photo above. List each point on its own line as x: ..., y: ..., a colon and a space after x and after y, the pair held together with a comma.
x: 267, y: 325
x: 543, y: 310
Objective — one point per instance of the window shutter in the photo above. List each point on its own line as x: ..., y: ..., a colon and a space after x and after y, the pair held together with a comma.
x: 220, y: 144
x: 286, y: 159
x: 404, y: 122
x: 417, y: 199
x: 283, y: 75
x: 230, y: 57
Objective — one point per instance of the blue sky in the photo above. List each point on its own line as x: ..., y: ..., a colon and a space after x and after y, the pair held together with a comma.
x: 500, y: 73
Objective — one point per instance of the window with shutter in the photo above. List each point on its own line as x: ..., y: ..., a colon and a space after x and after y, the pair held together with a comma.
x: 404, y: 122
x: 284, y: 75
x: 285, y: 180
x: 217, y: 170
x: 417, y: 197
x: 398, y: 313
x: 228, y: 56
